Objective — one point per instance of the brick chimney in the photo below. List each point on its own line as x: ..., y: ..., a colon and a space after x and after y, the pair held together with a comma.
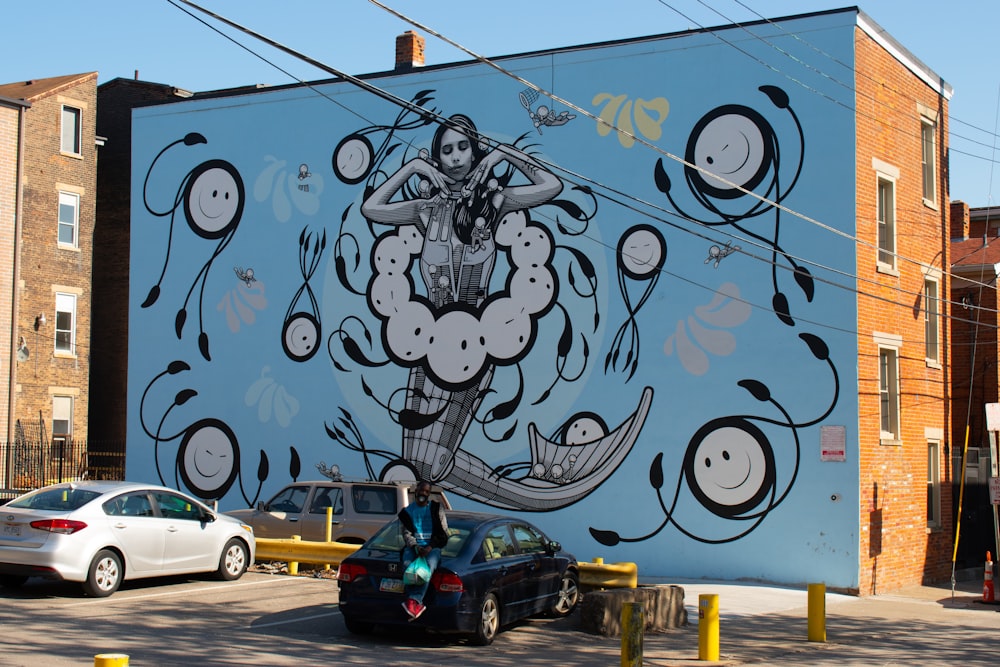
x: 959, y: 220
x: 409, y: 50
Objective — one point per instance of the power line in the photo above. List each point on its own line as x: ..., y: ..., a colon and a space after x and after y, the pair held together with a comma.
x: 399, y: 101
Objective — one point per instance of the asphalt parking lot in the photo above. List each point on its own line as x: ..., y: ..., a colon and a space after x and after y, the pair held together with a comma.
x: 279, y: 620
x: 262, y: 619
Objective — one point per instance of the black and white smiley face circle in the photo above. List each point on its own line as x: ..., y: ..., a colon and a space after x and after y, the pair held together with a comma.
x: 209, y: 458
x: 733, y: 142
x: 213, y: 199
x: 353, y: 158
x: 729, y: 465
x: 641, y: 252
x: 300, y: 337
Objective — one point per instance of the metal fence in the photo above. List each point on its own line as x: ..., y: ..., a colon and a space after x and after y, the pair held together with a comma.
x: 28, y: 464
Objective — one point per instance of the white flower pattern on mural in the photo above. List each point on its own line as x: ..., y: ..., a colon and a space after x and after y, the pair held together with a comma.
x: 271, y: 398
x: 239, y: 303
x: 301, y: 188
x: 724, y: 311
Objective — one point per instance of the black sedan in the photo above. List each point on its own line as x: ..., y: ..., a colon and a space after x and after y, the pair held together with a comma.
x: 494, y: 570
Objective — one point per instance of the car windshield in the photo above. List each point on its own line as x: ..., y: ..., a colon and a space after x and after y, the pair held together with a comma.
x: 58, y: 499
x: 390, y: 538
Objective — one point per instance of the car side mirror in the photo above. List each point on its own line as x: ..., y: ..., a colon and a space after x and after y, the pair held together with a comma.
x: 553, y: 547
x: 261, y: 507
x: 208, y: 517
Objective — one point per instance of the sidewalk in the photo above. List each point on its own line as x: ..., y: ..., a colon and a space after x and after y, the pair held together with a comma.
x: 766, y: 625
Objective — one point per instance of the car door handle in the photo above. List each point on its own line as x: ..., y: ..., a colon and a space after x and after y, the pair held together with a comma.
x: 171, y: 529
x: 503, y: 571
x: 293, y: 519
x: 120, y: 525
x: 532, y: 566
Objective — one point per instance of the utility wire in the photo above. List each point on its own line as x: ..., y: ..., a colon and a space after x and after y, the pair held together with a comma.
x: 406, y: 104
x: 833, y: 58
x: 642, y: 141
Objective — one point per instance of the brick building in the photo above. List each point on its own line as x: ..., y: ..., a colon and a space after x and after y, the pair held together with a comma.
x: 109, y: 374
x: 975, y: 257
x: 903, y: 250
x: 48, y: 188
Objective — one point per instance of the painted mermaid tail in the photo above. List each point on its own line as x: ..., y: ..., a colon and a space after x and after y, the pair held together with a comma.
x: 559, y: 475
x: 431, y: 449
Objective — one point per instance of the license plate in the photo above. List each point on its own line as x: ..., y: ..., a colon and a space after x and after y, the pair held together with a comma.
x: 391, y: 585
x: 15, y: 531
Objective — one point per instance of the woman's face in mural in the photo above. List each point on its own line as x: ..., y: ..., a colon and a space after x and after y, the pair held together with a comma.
x: 455, y: 155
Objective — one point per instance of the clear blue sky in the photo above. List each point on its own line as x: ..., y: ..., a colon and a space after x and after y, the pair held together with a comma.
x: 116, y: 38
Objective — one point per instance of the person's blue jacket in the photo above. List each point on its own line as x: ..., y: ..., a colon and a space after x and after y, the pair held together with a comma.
x: 439, y: 530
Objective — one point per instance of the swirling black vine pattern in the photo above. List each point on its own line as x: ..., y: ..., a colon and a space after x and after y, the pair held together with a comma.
x: 740, y: 146
x: 730, y: 465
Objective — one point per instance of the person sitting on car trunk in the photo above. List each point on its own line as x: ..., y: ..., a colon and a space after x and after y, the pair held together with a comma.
x: 425, y: 532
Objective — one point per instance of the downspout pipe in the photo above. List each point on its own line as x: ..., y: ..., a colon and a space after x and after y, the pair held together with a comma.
x: 22, y: 106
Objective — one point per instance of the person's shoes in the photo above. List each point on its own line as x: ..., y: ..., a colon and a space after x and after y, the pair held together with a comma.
x: 418, y: 609
x: 410, y: 606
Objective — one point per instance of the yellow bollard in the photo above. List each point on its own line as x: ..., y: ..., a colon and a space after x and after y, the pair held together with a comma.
x: 293, y: 566
x: 110, y: 660
x: 817, y: 612
x: 633, y: 623
x: 329, y: 531
x: 708, y: 627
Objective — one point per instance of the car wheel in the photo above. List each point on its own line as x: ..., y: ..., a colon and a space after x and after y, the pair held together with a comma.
x: 489, y: 621
x: 233, y: 561
x: 105, y: 574
x: 358, y: 627
x: 567, y: 596
x: 12, y: 580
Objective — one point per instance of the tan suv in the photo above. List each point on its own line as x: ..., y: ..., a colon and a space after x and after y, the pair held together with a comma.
x: 359, y: 509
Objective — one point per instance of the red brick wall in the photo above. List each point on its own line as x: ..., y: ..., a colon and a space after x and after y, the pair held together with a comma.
x: 44, y: 265
x: 896, y: 547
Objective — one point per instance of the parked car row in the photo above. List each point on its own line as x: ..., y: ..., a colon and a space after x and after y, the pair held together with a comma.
x: 494, y: 569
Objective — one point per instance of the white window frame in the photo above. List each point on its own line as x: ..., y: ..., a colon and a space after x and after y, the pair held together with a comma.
x: 65, y: 324
x: 932, y: 320
x: 928, y: 159
x: 69, y: 199
x: 933, y: 484
x: 885, y: 215
x: 62, y: 411
x: 71, y: 134
x: 888, y: 391
x: 889, y: 350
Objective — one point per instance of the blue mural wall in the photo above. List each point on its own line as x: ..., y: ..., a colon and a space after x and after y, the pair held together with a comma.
x: 485, y: 287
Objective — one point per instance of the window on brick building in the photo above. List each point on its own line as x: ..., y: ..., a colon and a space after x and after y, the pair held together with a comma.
x: 928, y: 159
x: 932, y: 320
x: 62, y: 425
x: 933, y: 484
x: 886, y: 223
x: 888, y: 382
x: 69, y: 218
x: 71, y: 130
x: 66, y: 323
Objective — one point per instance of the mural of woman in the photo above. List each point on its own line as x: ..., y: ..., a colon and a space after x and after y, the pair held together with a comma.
x: 461, y: 203
x: 457, y: 207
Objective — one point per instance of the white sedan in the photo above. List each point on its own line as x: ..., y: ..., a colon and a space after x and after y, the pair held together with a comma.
x: 102, y: 533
